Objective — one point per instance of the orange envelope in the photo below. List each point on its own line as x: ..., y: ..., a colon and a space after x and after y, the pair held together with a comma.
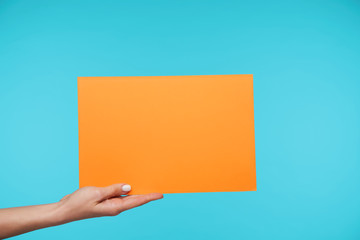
x: 168, y: 134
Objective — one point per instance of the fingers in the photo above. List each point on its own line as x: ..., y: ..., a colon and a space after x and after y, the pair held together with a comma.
x: 115, y: 190
x: 138, y: 200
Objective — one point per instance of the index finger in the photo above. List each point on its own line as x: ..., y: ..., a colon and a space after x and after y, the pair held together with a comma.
x: 138, y: 200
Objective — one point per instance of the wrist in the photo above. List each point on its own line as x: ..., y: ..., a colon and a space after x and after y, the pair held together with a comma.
x: 58, y: 214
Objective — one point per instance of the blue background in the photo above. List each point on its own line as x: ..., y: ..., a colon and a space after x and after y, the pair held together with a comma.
x: 305, y: 57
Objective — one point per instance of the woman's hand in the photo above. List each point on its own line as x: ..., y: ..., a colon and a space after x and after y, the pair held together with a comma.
x: 91, y: 202
x: 87, y: 202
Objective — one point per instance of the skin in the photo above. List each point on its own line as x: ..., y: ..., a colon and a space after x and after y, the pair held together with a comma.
x: 87, y: 202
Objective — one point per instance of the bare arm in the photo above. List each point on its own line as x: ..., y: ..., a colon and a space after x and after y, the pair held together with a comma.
x: 84, y: 203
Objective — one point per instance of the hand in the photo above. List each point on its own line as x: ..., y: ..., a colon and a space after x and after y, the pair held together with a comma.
x: 89, y: 202
x: 84, y: 203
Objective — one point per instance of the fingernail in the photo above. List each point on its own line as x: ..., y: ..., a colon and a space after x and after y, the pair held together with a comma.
x: 126, y: 188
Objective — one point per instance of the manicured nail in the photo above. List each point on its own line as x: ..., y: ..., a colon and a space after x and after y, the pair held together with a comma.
x: 126, y: 188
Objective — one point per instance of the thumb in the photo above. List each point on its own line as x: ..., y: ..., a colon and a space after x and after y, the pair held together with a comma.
x: 115, y: 190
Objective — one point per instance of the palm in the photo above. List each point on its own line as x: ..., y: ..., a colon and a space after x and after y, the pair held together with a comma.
x: 116, y: 205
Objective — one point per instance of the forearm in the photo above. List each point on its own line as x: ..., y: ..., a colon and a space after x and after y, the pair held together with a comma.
x: 15, y: 221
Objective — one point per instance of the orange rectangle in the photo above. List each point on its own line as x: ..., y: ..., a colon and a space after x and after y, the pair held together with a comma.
x: 168, y: 134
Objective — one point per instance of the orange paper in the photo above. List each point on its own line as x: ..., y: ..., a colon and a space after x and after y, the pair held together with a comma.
x: 168, y: 134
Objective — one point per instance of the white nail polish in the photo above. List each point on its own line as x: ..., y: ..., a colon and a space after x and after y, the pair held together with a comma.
x: 126, y: 188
